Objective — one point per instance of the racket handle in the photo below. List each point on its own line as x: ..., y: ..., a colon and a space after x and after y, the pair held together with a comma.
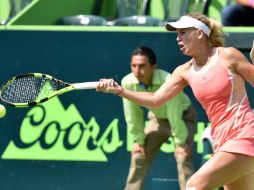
x: 85, y: 85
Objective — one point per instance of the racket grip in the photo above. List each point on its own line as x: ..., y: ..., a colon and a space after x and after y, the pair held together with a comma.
x: 85, y: 85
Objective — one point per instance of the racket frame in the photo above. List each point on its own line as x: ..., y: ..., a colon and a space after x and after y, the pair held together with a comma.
x: 67, y: 87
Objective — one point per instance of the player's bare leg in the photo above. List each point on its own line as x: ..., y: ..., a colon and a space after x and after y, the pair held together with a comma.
x: 236, y: 170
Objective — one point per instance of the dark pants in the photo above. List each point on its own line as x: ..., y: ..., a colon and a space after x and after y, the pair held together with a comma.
x: 237, y: 15
x: 157, y: 132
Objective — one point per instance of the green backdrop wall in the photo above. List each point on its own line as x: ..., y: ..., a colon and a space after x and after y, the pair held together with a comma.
x: 79, y: 140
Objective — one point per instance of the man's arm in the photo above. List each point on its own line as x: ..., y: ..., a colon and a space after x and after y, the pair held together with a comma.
x: 178, y: 127
x: 134, y: 117
x: 175, y: 108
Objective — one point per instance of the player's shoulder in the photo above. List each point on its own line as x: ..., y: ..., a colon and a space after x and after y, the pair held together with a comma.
x: 183, y: 68
x: 231, y: 56
x: 185, y: 65
x: 228, y: 52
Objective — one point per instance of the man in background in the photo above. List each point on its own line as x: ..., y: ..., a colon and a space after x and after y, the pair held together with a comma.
x: 176, y: 119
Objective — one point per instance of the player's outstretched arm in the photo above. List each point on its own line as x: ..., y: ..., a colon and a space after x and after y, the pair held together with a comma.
x: 110, y: 86
x: 152, y: 100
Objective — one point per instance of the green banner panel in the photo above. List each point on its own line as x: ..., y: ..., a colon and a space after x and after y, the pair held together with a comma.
x: 79, y: 140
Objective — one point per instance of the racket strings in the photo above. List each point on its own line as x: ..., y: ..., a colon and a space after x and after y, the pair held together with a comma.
x: 28, y: 89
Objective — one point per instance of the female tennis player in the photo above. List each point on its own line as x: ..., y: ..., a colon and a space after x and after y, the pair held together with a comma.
x: 216, y: 75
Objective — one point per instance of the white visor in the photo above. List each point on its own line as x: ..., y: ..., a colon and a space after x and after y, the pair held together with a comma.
x: 188, y: 22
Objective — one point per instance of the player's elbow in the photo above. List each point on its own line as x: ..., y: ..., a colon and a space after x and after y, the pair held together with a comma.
x: 157, y: 102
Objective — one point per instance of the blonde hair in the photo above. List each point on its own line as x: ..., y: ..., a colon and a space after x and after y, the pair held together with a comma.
x: 217, y: 36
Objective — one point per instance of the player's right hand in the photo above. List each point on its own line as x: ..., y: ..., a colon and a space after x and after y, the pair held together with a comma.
x: 108, y: 86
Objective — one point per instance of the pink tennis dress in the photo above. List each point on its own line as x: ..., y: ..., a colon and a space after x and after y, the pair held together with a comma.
x: 223, y: 95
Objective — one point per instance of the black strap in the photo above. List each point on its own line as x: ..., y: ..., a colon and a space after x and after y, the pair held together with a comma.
x: 97, y: 7
x: 207, y: 4
x: 147, y: 7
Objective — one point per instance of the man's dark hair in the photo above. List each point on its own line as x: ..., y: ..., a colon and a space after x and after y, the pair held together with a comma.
x: 146, y: 51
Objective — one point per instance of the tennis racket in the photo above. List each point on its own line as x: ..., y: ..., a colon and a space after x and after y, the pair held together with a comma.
x: 34, y: 88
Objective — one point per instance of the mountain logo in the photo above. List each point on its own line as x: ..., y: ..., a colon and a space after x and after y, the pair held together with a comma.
x: 51, y: 132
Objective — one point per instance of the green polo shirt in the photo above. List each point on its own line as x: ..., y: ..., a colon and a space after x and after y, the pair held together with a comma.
x: 172, y: 110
